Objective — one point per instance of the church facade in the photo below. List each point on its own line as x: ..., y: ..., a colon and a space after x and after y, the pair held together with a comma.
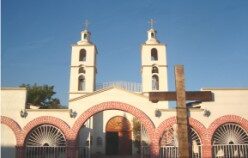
x: 101, y: 120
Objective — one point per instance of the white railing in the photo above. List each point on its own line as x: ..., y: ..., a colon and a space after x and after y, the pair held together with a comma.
x: 230, y: 151
x: 83, y: 152
x: 168, y: 151
x: 172, y: 151
x: 145, y: 152
x: 130, y: 86
x: 45, y: 152
x: 55, y: 152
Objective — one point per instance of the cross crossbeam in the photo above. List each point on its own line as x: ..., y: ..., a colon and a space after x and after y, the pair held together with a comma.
x: 172, y: 96
x: 181, y: 96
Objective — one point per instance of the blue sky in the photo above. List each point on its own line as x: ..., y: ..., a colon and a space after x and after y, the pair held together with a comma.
x: 210, y: 38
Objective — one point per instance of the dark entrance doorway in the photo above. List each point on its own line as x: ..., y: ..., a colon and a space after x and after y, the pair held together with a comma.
x: 112, y: 145
x: 118, y: 136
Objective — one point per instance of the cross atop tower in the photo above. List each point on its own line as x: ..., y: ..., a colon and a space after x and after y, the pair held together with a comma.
x: 151, y: 22
x: 86, y: 24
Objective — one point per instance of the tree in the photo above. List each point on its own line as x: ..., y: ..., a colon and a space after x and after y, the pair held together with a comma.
x: 41, y: 96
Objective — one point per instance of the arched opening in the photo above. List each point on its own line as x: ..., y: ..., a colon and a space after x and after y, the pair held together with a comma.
x: 82, y: 55
x: 169, y: 143
x: 85, y: 36
x: 230, y: 140
x: 154, y: 69
x: 154, y: 54
x: 152, y: 35
x: 108, y: 110
x: 81, y: 70
x: 155, y: 82
x: 45, y: 141
x: 81, y: 83
x: 118, y: 136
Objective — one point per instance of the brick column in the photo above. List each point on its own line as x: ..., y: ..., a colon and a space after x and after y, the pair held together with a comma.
x: 154, y: 146
x: 71, y: 149
x: 207, y: 151
x: 154, y: 150
x: 206, y: 146
x: 20, y: 151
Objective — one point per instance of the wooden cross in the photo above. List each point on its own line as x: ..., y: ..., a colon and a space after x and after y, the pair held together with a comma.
x: 182, y: 115
x: 151, y: 22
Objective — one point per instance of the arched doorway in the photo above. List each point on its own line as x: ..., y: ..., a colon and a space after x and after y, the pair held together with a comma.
x: 113, y: 105
x: 118, y: 136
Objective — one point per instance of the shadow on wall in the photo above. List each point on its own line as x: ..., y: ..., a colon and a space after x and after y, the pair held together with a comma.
x: 8, y: 152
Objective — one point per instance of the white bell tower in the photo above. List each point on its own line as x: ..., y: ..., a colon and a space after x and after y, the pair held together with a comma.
x: 83, y: 66
x: 153, y: 63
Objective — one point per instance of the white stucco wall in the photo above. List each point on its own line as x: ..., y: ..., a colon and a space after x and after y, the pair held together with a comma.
x: 226, y: 102
x: 8, y: 142
x: 90, y: 69
x: 147, y: 64
x: 115, y: 94
x: 12, y: 102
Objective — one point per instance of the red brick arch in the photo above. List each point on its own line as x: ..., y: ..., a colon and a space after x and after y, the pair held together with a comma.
x: 145, y: 120
x: 14, y: 127
x: 200, y: 129
x: 47, y: 120
x: 196, y: 125
x: 227, y: 119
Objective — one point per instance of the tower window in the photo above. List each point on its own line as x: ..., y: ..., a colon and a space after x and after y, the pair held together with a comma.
x: 155, y: 82
x: 154, y: 69
x: 81, y: 70
x: 85, y: 36
x: 154, y: 54
x: 81, y: 83
x: 152, y: 35
x: 82, y: 55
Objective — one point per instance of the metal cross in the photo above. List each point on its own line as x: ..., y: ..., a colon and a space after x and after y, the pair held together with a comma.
x: 151, y: 22
x: 86, y: 24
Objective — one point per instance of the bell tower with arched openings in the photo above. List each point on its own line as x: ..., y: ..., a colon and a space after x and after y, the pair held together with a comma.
x: 83, y: 66
x: 153, y: 63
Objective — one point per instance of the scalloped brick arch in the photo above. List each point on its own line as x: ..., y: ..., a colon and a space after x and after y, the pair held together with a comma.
x: 47, y: 120
x: 196, y: 125
x: 114, y: 106
x: 14, y: 127
x: 200, y: 129
x: 227, y: 119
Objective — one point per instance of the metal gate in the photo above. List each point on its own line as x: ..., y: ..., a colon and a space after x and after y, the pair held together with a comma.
x: 230, y: 140
x: 48, y: 141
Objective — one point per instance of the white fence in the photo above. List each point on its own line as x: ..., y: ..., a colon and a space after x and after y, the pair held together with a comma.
x: 54, y: 152
x: 83, y: 152
x: 145, y: 152
x: 45, y: 152
x: 172, y: 151
x: 230, y: 151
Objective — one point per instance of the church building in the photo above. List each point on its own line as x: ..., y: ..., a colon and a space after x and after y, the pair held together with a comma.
x: 102, y: 120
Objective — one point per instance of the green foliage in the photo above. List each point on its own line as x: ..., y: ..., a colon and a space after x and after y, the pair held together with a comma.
x: 42, y: 96
x: 137, y: 133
